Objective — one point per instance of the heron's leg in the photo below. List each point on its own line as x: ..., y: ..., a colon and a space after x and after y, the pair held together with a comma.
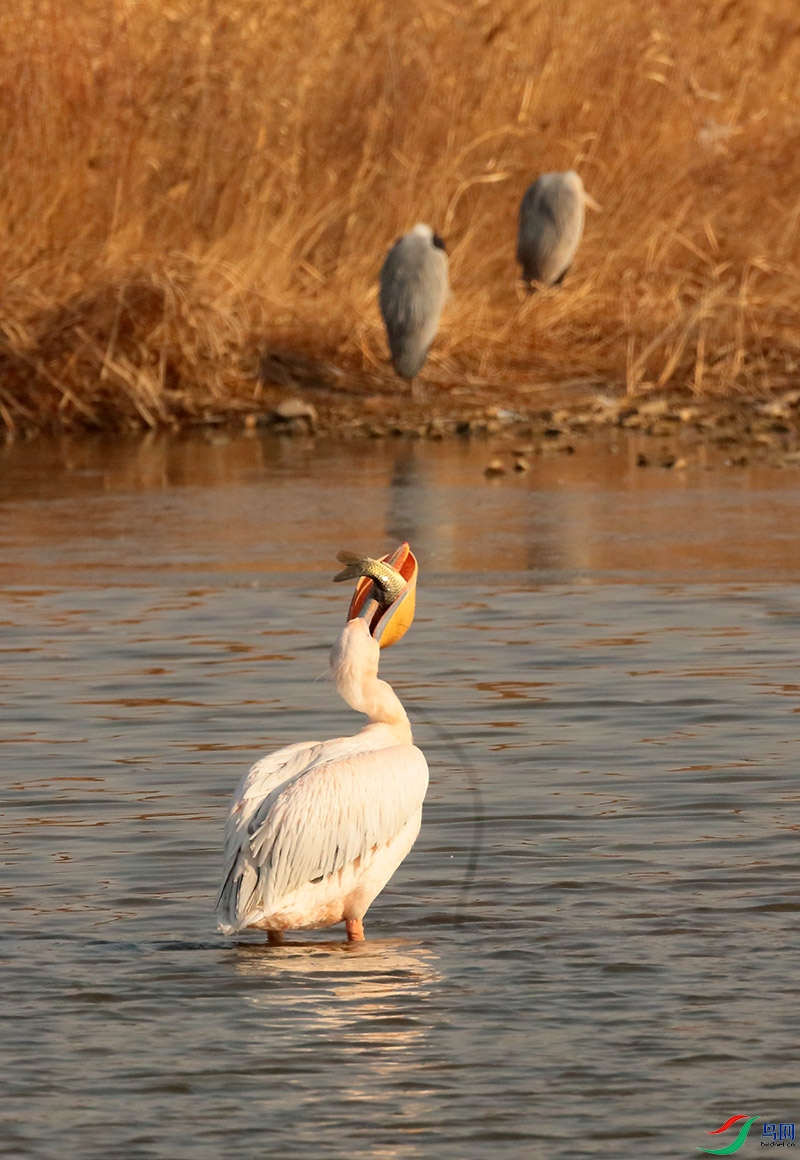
x: 274, y: 937
x: 355, y: 929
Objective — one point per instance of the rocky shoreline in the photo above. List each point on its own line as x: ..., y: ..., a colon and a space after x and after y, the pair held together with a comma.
x: 673, y: 429
x: 680, y: 430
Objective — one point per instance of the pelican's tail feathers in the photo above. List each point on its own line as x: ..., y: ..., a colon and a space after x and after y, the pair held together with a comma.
x: 235, y: 903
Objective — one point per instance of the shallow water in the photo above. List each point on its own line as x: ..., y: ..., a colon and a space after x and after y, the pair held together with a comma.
x: 591, y: 950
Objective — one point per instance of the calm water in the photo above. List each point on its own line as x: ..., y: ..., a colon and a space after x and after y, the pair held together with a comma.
x: 592, y: 949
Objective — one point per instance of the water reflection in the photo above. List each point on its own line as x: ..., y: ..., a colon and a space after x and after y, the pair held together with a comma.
x: 375, y: 983
x: 266, y: 504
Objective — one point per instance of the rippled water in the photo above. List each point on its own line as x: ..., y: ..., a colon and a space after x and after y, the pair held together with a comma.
x: 591, y: 950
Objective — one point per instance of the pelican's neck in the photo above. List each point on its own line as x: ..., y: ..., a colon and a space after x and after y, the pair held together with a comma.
x: 354, y: 663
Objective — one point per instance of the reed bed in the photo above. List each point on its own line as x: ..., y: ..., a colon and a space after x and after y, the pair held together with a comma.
x: 196, y: 197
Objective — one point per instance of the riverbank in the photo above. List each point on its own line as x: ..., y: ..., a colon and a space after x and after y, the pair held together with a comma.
x: 195, y: 202
x: 677, y: 430
x: 552, y: 419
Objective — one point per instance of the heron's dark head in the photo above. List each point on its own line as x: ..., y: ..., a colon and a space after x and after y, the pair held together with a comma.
x: 439, y: 242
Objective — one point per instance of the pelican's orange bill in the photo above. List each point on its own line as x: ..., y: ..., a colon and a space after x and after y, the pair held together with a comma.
x: 389, y: 625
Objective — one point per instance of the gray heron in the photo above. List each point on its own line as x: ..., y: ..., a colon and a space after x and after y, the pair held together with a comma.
x: 413, y: 290
x: 550, y: 226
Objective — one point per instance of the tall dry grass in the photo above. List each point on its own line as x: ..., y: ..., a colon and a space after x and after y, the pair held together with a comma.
x: 186, y: 184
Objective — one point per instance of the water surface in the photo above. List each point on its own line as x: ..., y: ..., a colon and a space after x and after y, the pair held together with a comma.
x: 591, y: 950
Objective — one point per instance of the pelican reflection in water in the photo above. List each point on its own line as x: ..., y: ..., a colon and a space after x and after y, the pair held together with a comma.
x: 316, y: 830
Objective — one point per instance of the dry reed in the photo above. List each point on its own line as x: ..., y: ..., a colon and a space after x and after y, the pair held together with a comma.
x: 187, y: 185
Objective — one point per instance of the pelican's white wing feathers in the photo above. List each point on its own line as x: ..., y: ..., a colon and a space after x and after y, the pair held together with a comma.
x: 309, y: 810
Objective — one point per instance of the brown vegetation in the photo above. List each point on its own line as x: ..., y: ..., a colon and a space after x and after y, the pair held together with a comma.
x: 196, y: 196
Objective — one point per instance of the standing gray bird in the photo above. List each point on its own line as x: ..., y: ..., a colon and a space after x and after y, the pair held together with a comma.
x: 550, y: 226
x: 414, y: 286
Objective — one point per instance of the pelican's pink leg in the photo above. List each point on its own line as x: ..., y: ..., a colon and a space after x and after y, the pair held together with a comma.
x: 274, y: 937
x: 355, y: 929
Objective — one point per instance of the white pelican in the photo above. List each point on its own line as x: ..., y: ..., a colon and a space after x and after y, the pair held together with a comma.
x: 316, y: 830
x: 551, y: 219
x: 413, y: 291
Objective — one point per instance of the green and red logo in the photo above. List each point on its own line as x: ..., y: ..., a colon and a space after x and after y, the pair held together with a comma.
x: 736, y: 1144
x: 772, y: 1135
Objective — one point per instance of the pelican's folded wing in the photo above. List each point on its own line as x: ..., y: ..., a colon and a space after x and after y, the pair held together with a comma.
x: 320, y: 821
x: 267, y: 775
